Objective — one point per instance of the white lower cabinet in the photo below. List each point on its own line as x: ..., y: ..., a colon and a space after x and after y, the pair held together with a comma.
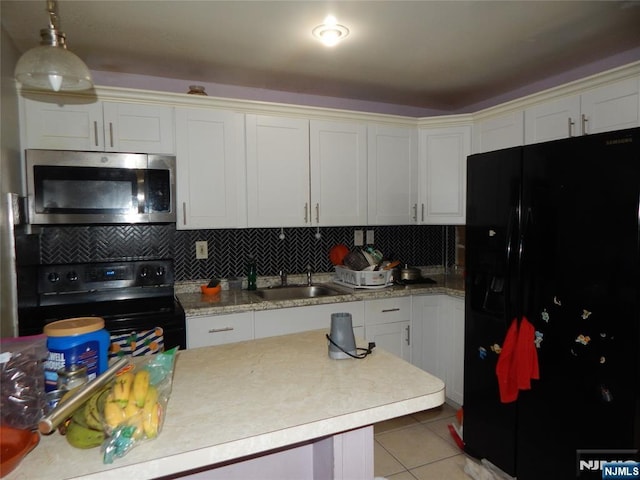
x: 388, y: 324
x: 438, y: 340
x: 453, y: 319
x: 269, y: 323
x: 204, y: 331
x: 426, y: 330
x: 392, y: 337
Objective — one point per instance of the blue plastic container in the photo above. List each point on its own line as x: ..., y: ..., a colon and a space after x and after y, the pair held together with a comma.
x: 76, y: 341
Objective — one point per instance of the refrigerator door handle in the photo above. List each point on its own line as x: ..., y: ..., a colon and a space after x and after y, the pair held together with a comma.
x: 513, y: 214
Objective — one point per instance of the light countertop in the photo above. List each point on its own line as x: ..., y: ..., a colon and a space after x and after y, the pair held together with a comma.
x: 249, y: 397
x: 236, y: 301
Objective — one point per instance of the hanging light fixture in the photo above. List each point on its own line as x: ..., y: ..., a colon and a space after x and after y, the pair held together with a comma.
x: 51, y: 66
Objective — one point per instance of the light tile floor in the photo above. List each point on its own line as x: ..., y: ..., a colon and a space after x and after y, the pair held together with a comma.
x: 419, y: 447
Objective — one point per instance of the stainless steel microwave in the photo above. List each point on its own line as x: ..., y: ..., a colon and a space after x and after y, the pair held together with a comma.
x: 71, y: 187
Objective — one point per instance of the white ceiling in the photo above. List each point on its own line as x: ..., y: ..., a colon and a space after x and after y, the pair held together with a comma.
x: 431, y: 54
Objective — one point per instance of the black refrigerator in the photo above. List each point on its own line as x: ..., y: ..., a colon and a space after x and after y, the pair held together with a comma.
x: 552, y: 238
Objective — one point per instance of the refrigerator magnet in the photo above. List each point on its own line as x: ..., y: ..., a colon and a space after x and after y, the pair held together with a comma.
x: 583, y: 339
x: 545, y: 315
x: 482, y: 352
x: 538, y: 339
x: 585, y: 314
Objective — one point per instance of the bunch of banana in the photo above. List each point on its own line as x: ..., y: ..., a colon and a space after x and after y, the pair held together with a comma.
x: 134, y: 401
x: 84, y: 429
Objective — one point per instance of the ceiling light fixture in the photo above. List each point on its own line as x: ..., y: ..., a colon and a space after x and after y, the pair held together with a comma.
x: 330, y: 32
x: 51, y: 66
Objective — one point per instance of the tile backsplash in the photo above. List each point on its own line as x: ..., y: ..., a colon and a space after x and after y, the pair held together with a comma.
x: 228, y: 249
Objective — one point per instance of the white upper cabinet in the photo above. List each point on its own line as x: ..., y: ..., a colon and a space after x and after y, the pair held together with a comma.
x: 277, y: 171
x: 130, y: 127
x: 393, y: 175
x: 443, y: 169
x: 338, y: 156
x: 210, y: 164
x: 62, y: 123
x: 62, y: 126
x: 305, y: 172
x: 614, y: 106
x: 552, y: 120
x: 611, y: 107
x: 497, y: 132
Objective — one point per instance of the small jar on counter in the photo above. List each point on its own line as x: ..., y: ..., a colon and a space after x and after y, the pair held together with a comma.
x: 72, y: 376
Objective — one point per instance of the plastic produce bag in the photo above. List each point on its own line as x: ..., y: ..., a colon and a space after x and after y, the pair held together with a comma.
x: 136, y: 402
x: 125, y: 412
x: 22, y: 393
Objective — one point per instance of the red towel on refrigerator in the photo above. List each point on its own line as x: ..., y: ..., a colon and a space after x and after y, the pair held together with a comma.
x: 518, y: 361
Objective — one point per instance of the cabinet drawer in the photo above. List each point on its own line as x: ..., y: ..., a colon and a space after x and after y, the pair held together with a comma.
x: 219, y: 329
x: 283, y: 321
x: 387, y: 310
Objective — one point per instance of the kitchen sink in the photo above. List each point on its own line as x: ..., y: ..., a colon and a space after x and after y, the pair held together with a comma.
x: 296, y: 292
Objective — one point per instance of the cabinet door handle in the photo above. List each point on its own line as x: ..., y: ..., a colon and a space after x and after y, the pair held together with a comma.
x: 306, y: 212
x: 415, y: 212
x: 571, y: 124
x: 422, y: 213
x: 95, y: 132
x: 218, y: 330
x: 388, y: 310
x: 408, y: 334
x: 317, y: 213
x: 111, y: 133
x: 184, y: 213
x: 584, y: 124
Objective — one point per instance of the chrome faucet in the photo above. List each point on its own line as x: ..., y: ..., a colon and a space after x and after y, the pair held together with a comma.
x: 283, y: 278
x: 309, y: 281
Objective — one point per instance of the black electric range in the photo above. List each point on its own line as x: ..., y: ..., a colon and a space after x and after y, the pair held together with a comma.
x: 131, y: 296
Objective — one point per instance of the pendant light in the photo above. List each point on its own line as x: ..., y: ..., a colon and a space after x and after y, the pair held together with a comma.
x: 51, y: 66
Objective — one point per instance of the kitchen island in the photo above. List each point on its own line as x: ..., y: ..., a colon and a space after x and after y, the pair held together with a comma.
x: 276, y: 407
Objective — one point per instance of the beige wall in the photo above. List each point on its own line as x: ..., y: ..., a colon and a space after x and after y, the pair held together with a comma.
x: 10, y: 179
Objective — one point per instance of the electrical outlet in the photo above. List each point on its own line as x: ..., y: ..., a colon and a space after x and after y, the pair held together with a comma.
x: 202, y: 250
x: 358, y: 238
x: 370, y: 240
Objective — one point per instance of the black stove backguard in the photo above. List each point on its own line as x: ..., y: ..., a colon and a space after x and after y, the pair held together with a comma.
x: 131, y: 296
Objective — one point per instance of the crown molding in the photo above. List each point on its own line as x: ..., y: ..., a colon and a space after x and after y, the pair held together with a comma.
x: 575, y: 87
x: 127, y: 95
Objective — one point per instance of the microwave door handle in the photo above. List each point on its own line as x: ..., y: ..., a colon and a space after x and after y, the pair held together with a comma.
x: 140, y: 175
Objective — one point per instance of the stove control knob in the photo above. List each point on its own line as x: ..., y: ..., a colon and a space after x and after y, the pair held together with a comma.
x: 72, y: 276
x: 160, y: 271
x: 54, y: 277
x: 144, y: 271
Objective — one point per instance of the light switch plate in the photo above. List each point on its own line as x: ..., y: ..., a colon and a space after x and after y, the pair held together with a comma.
x: 202, y: 250
x: 370, y: 239
x: 358, y: 238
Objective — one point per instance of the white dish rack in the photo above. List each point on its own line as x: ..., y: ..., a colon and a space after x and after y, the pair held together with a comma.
x: 362, y: 278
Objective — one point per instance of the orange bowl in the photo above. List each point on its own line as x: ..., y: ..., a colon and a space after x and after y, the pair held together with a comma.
x: 210, y: 290
x: 15, y: 444
x: 337, y: 254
